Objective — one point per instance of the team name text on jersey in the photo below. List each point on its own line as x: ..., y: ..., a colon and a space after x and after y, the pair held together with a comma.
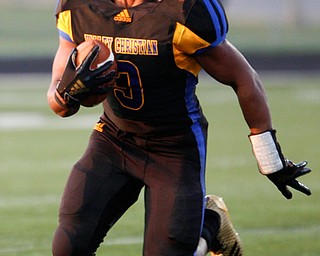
x: 123, y: 45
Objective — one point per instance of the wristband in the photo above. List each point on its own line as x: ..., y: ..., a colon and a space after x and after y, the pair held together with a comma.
x: 267, y: 152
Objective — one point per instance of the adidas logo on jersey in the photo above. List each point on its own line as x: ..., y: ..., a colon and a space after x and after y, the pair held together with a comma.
x: 123, y: 16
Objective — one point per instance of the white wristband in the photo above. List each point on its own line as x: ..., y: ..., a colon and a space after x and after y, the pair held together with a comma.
x: 266, y: 153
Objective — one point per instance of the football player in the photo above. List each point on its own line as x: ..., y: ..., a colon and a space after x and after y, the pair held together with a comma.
x: 152, y: 134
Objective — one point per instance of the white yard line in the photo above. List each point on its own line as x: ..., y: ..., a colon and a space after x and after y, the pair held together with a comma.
x: 30, y: 121
x: 37, y: 248
x: 27, y: 201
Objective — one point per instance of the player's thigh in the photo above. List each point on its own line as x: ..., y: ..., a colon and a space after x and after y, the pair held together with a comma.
x: 95, y: 181
x: 175, y: 199
x: 173, y: 220
x: 90, y: 207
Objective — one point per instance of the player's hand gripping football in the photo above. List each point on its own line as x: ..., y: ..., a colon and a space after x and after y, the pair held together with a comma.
x: 281, y: 171
x: 79, y: 82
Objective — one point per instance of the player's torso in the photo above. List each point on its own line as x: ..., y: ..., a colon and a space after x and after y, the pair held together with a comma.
x: 151, y: 91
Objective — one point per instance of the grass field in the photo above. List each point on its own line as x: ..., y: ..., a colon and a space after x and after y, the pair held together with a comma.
x: 38, y: 148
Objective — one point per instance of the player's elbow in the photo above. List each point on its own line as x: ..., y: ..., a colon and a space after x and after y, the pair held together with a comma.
x: 61, y: 111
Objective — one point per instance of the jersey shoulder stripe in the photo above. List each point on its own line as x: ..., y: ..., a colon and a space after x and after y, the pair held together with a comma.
x: 207, y: 19
x: 218, y: 17
x: 64, y: 25
x: 186, y: 43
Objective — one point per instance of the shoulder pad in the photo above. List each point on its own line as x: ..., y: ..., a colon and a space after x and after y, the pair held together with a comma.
x: 206, y: 18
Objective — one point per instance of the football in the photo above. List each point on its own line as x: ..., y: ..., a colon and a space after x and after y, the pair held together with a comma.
x: 104, y: 53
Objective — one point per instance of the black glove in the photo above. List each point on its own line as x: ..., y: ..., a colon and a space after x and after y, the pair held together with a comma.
x: 79, y: 82
x: 287, y: 177
x: 281, y: 171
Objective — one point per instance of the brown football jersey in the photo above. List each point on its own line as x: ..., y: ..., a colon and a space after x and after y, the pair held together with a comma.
x: 154, y: 43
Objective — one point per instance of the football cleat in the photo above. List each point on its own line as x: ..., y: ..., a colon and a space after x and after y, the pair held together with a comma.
x: 227, y: 242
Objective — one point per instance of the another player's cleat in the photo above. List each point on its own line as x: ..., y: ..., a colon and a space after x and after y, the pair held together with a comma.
x: 227, y: 242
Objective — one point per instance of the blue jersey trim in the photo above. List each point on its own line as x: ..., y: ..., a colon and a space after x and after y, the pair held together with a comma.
x: 191, y: 100
x: 198, y: 133
x: 216, y: 43
x: 65, y: 36
x: 194, y: 113
x: 223, y: 18
x: 197, y: 130
x: 219, y: 21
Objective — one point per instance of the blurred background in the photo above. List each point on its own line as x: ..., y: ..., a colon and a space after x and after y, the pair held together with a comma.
x: 263, y: 30
x: 280, y: 38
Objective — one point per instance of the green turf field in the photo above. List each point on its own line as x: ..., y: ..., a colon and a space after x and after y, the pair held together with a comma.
x: 38, y: 149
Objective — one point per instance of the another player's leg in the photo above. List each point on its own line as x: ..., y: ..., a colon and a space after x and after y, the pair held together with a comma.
x: 218, y: 231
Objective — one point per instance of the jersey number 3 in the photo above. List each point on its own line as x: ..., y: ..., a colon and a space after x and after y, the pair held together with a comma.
x: 129, y: 90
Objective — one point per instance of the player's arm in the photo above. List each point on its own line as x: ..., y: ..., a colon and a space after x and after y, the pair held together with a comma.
x: 227, y: 65
x: 56, y: 102
x: 71, y: 83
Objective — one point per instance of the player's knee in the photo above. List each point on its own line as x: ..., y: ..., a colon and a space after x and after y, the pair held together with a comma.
x: 62, y: 245
x: 66, y: 243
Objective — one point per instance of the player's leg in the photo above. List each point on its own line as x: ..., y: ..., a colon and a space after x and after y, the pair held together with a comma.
x: 82, y: 227
x: 174, y: 196
x: 115, y: 208
x: 173, y: 221
x: 96, y: 195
